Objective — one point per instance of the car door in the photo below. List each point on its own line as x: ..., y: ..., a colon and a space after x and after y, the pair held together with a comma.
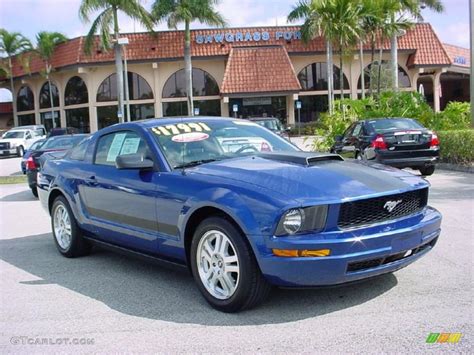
x: 350, y: 140
x: 121, y: 202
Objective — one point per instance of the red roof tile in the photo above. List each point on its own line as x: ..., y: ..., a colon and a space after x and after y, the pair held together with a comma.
x: 459, y: 55
x: 259, y: 69
x: 169, y: 45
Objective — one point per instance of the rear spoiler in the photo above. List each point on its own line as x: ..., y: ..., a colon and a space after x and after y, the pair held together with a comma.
x: 301, y: 158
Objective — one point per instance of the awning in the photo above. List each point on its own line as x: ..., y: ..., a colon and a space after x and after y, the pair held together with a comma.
x: 259, y: 70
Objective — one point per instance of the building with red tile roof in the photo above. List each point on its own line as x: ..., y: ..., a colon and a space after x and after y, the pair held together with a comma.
x: 228, y: 65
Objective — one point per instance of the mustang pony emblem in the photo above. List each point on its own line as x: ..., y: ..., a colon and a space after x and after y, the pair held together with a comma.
x: 390, y: 205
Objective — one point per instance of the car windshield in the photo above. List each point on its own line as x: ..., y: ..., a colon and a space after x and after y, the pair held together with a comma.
x: 394, y: 124
x: 273, y: 125
x: 192, y: 143
x: 14, y: 134
x: 37, y: 145
x: 62, y: 142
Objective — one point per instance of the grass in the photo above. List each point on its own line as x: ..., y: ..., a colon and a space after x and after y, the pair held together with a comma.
x: 13, y: 179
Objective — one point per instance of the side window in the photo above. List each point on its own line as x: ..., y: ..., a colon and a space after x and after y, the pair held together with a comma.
x: 28, y: 135
x: 79, y: 151
x: 348, y: 131
x: 357, y: 130
x: 110, y: 146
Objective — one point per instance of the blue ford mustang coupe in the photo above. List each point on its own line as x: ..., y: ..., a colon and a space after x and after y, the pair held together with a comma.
x: 243, y: 208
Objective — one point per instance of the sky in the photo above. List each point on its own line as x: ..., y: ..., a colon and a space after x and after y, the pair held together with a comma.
x: 31, y: 16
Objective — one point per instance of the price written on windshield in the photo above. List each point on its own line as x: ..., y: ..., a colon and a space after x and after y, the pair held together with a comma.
x: 174, y: 129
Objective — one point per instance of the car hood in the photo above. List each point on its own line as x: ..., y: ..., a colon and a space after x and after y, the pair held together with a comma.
x: 11, y: 140
x: 329, y: 181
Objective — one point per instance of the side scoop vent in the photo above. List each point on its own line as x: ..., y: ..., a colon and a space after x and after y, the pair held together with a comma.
x: 301, y: 158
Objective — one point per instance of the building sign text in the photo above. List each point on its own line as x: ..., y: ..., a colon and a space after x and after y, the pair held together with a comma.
x: 231, y: 37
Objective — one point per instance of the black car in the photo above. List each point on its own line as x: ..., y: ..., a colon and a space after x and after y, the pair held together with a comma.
x: 52, y: 144
x: 398, y: 142
x: 273, y: 124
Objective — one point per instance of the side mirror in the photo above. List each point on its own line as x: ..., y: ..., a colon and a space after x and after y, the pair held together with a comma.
x: 133, y: 161
x: 288, y: 129
x: 338, y: 138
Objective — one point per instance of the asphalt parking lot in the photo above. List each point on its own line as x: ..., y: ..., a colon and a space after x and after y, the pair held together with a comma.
x: 114, y: 303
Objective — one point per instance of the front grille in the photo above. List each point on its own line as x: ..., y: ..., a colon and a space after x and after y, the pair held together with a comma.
x: 5, y: 145
x: 373, y: 210
x: 373, y: 263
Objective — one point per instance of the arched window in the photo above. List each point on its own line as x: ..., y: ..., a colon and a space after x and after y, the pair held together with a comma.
x: 25, y: 100
x: 138, y: 88
x: 76, y: 92
x: 44, y: 99
x: 403, y: 78
x: 314, y: 77
x: 203, y: 84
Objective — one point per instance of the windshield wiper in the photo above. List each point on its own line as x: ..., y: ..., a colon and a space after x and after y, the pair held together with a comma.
x: 194, y: 163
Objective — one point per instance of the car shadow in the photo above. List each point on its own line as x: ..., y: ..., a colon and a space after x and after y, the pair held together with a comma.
x: 22, y: 196
x: 138, y: 288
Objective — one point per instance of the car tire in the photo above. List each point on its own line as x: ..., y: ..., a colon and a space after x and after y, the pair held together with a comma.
x: 67, y: 234
x: 20, y: 151
x: 229, y: 291
x: 427, y: 170
x: 34, y: 191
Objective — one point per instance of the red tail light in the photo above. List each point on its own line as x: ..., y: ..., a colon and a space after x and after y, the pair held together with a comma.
x: 379, y: 143
x: 30, y: 164
x: 434, y: 140
x: 265, y: 147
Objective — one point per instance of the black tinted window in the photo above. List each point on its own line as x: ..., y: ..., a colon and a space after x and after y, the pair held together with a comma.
x: 110, y: 146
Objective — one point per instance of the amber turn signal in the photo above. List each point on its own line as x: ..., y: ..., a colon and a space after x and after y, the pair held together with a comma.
x: 291, y: 253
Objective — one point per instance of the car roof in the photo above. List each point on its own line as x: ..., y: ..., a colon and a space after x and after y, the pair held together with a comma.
x: 386, y: 118
x: 152, y: 122
x: 26, y: 127
x: 262, y: 118
x: 67, y: 136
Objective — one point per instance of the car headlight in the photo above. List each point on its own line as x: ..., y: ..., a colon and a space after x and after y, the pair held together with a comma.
x: 305, y: 219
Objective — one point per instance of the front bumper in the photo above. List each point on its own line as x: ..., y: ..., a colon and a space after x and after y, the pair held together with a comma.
x: 8, y: 151
x: 355, y: 254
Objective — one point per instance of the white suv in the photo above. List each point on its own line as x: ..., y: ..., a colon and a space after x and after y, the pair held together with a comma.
x: 19, y: 139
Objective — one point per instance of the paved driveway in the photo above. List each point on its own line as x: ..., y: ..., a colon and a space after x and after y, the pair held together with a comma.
x: 123, y: 304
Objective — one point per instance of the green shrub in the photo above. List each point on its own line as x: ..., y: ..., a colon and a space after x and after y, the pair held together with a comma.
x: 457, y: 147
x: 456, y: 115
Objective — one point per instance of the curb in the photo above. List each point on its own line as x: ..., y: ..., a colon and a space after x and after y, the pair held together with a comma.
x: 456, y: 167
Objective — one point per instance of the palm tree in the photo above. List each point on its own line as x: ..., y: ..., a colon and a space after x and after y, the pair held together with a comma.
x: 187, y: 11
x: 46, y: 42
x: 413, y: 8
x: 107, y: 23
x: 316, y: 23
x: 12, y: 43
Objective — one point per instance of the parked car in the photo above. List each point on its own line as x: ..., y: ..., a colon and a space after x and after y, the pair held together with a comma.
x: 398, y: 142
x: 241, y: 220
x: 35, y: 146
x: 59, y: 131
x: 18, y: 139
x: 273, y: 124
x: 53, y: 144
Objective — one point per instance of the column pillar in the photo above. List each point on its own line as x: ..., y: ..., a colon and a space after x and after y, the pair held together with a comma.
x: 436, y: 90
x: 156, y: 88
x: 290, y: 109
x: 92, y: 93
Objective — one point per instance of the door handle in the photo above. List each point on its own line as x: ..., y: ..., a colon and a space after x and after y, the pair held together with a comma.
x: 91, y: 180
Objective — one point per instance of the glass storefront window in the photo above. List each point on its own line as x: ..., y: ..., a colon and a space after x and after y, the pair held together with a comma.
x: 403, y: 78
x: 141, y: 112
x: 315, y: 77
x: 48, y: 122
x: 203, y: 84
x: 138, y: 88
x: 106, y: 116
x: 25, y: 99
x: 312, y: 107
x: 259, y: 107
x: 76, y: 92
x: 26, y: 120
x: 78, y: 118
x: 180, y: 108
x: 44, y: 99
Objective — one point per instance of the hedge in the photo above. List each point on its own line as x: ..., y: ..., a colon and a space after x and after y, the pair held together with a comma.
x: 457, y: 147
